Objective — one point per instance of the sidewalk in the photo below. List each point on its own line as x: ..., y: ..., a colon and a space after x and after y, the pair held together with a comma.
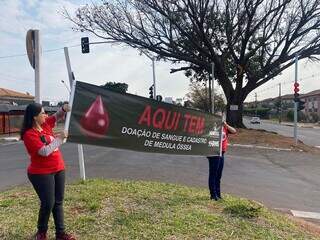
x: 12, y: 137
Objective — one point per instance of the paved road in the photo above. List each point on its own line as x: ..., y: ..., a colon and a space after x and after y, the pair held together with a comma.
x: 310, y: 136
x: 278, y: 179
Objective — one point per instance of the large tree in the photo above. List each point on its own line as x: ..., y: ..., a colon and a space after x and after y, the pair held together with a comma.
x: 249, y: 41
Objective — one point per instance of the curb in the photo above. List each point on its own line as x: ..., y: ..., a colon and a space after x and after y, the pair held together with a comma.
x: 10, y: 139
x: 307, y: 220
x: 261, y: 147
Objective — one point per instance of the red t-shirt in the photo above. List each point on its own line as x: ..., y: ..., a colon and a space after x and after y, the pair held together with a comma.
x: 32, y: 141
x: 224, y: 139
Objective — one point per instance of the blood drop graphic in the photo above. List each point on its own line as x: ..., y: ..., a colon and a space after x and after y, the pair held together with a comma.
x: 95, y: 121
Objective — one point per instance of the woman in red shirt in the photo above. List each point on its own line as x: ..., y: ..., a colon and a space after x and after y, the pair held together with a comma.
x: 46, y: 171
x: 216, y: 164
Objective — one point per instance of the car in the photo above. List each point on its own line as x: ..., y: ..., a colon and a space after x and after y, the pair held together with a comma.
x: 255, y: 120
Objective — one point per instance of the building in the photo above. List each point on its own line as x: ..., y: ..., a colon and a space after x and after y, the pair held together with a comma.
x: 312, y: 101
x: 15, y: 98
x: 11, y: 117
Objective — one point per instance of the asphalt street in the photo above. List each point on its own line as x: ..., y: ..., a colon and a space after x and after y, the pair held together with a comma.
x: 279, y: 179
x: 309, y: 136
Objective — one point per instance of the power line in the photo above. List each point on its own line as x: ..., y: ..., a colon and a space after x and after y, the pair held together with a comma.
x: 288, y: 81
x: 11, y: 56
x: 45, y: 51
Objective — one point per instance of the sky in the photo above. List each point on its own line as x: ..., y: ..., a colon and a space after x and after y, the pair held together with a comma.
x: 104, y: 63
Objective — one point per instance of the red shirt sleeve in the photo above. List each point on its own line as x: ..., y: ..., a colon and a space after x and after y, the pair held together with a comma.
x: 32, y: 142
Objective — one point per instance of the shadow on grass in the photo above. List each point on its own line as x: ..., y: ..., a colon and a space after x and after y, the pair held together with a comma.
x: 243, y: 210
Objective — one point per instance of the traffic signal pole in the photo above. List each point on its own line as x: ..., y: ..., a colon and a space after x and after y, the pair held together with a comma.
x: 80, y: 147
x: 153, y: 77
x: 295, y: 130
x: 85, y: 43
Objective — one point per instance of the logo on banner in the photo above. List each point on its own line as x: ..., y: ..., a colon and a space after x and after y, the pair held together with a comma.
x: 95, y: 122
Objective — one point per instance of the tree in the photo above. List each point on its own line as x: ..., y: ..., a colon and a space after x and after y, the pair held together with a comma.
x: 249, y: 41
x: 117, y: 87
x: 198, y: 98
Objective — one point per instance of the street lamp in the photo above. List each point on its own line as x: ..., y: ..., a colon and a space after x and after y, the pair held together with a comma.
x: 63, y: 82
x: 152, y: 58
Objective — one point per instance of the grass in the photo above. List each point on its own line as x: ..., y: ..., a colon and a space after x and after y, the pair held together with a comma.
x: 103, y: 209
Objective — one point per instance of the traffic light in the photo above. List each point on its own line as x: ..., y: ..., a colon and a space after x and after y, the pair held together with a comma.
x: 85, y: 45
x: 301, y: 104
x: 151, y: 91
x: 296, y: 91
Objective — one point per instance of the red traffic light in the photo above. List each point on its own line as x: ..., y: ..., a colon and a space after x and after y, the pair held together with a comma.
x: 296, y: 87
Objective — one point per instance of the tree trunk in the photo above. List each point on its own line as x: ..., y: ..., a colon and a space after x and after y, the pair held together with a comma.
x: 234, y: 112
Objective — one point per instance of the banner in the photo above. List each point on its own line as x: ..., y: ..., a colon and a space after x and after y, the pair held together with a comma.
x: 107, y: 118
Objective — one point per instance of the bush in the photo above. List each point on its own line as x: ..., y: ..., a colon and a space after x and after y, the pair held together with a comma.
x: 261, y: 112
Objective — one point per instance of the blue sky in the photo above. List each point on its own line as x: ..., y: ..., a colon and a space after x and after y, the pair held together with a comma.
x: 104, y: 62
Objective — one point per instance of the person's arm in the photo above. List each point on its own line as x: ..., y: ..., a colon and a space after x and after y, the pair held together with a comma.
x: 62, y: 112
x: 51, y: 120
x: 46, y: 150
x: 231, y: 130
x: 36, y: 144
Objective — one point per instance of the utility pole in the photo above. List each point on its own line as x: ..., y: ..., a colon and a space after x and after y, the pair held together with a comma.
x: 255, y: 95
x: 154, y: 78
x: 210, y: 97
x: 295, y: 134
x: 212, y: 74
x: 280, y: 104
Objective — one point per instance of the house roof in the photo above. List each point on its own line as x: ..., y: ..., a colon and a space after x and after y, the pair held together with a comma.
x: 315, y: 92
x: 9, y: 107
x: 10, y: 93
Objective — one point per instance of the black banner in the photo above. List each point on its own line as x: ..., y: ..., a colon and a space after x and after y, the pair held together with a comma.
x: 106, y: 118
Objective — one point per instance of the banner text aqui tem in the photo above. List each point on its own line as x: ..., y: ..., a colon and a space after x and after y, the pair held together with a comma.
x: 106, y: 118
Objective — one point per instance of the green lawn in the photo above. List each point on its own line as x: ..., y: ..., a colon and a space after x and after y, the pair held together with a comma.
x: 104, y: 209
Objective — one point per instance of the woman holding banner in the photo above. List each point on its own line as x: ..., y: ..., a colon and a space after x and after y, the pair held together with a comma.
x: 216, y: 164
x: 46, y: 171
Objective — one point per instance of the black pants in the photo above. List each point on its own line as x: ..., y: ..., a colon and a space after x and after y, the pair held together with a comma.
x: 215, y: 173
x: 50, y: 190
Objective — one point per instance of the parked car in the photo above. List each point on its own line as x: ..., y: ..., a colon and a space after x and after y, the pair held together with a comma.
x: 255, y: 120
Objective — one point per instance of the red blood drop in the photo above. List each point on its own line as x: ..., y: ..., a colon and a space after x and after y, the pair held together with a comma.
x: 95, y: 121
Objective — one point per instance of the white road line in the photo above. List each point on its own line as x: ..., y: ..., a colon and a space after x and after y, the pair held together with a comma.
x: 313, y: 215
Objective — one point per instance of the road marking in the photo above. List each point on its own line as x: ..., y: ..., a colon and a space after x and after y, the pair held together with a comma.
x: 313, y: 215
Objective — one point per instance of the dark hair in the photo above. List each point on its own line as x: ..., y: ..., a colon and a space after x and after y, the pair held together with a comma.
x: 32, y: 110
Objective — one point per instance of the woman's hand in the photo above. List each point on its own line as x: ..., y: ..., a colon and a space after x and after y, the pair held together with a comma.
x: 62, y: 135
x: 230, y: 129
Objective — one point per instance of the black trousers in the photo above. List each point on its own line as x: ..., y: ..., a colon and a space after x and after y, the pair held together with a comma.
x: 50, y: 190
x: 216, y: 164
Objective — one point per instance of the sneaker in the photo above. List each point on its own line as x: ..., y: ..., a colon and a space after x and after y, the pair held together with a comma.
x: 41, y: 236
x: 64, y: 236
x: 214, y: 198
